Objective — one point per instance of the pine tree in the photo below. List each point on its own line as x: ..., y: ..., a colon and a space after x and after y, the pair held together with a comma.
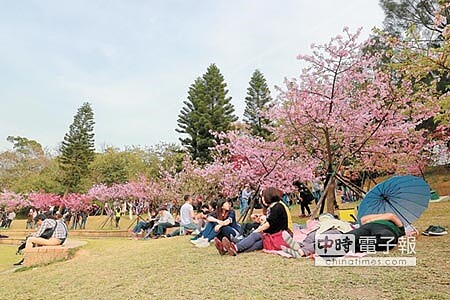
x: 401, y: 15
x: 207, y: 109
x: 77, y: 150
x: 257, y: 101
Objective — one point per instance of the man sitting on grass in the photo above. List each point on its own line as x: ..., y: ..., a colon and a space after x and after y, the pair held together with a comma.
x: 187, y: 222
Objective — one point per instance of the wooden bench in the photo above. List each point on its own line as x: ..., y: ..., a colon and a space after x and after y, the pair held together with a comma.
x: 47, y: 254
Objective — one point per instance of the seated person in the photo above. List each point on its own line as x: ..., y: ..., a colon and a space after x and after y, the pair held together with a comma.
x: 222, y: 222
x: 58, y: 236
x: 144, y: 225
x: 249, y: 227
x: 276, y: 221
x: 208, y: 232
x: 187, y: 222
x: 201, y: 216
x: 164, y: 221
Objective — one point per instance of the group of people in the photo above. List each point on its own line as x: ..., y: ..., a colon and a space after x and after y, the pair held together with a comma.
x: 78, y: 219
x: 155, y: 225
x: 273, y: 231
x: 6, y: 218
x: 302, y: 195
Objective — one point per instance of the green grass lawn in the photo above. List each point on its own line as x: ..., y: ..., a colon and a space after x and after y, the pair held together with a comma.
x: 175, y: 269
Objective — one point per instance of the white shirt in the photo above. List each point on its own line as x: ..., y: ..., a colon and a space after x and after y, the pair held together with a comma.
x: 166, y: 217
x: 11, y: 215
x: 186, y: 212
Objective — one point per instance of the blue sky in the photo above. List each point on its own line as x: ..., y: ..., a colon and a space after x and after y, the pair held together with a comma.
x: 135, y: 60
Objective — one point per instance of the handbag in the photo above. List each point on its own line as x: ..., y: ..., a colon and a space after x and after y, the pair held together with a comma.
x: 274, y: 241
x: 48, y: 232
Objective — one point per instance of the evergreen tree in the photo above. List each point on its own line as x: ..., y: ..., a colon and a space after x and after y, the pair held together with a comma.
x: 257, y: 101
x: 207, y: 109
x: 424, y: 59
x: 401, y: 15
x: 77, y: 150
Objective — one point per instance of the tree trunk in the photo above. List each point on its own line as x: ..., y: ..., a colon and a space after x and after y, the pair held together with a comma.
x: 331, y: 197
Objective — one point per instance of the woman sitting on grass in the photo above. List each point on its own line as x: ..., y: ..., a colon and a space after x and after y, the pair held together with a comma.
x: 275, y: 223
x: 224, y: 219
x: 207, y: 234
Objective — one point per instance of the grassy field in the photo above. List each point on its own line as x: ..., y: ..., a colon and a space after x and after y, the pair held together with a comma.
x: 439, y: 179
x: 175, y: 269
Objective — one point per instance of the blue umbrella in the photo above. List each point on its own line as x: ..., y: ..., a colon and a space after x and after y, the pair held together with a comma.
x: 405, y: 196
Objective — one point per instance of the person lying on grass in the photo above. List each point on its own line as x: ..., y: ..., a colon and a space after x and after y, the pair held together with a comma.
x: 385, y: 228
x: 276, y: 222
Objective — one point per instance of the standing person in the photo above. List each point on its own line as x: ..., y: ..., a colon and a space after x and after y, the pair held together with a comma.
x: 3, y: 218
x: 306, y: 198
x: 117, y: 214
x: 317, y: 187
x: 29, y: 224
x: 11, y: 217
x: 75, y: 222
x: 67, y: 217
x: 84, y: 215
x: 246, y: 195
x: 186, y: 216
x: 274, y: 224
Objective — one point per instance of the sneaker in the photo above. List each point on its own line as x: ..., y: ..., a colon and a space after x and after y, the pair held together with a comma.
x: 437, y: 230
x: 426, y: 231
x: 195, y: 232
x: 219, y: 246
x: 229, y: 246
x: 202, y: 244
x: 194, y: 238
x: 20, y: 263
x: 199, y: 240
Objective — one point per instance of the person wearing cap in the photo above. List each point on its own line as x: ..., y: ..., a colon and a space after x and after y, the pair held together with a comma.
x: 165, y: 220
x: 58, y: 236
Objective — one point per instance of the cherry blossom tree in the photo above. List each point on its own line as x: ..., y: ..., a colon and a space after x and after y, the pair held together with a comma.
x: 43, y: 201
x: 12, y: 200
x: 245, y: 159
x: 344, y: 109
x: 75, y: 202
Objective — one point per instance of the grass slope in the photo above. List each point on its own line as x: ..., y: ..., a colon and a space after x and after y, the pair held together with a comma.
x: 174, y: 269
